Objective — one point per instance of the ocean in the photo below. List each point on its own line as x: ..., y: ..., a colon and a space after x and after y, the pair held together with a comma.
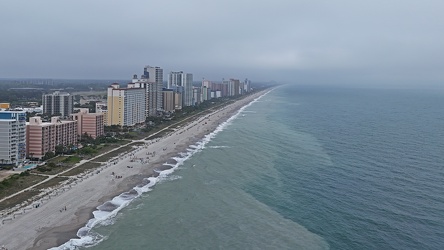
x: 303, y: 167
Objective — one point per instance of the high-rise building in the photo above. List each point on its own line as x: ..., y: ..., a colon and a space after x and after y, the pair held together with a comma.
x: 183, y: 83
x: 188, y: 93
x: 225, y: 88
x: 233, y: 87
x: 90, y: 123
x: 153, y: 98
x: 12, y: 137
x: 177, y: 100
x: 207, y: 87
x: 247, y: 85
x: 152, y: 82
x: 206, y: 93
x: 155, y: 79
x: 197, y: 95
x: 58, y: 103
x: 174, y: 79
x: 43, y: 137
x: 168, y: 100
x: 153, y: 74
x: 126, y: 106
x: 207, y: 84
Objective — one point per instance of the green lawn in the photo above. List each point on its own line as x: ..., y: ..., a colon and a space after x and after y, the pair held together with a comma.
x: 72, y: 159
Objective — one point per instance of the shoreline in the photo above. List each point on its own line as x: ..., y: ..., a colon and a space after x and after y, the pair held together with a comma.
x: 61, y: 217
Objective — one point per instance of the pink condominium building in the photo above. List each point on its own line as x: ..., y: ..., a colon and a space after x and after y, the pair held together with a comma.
x: 43, y: 137
x: 89, y: 123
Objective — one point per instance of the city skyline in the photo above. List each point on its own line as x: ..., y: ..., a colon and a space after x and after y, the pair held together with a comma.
x: 346, y: 42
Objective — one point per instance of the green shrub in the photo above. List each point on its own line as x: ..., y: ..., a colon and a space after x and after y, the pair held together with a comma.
x: 24, y: 173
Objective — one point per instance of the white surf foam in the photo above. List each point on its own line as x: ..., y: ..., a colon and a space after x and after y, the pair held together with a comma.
x: 219, y: 146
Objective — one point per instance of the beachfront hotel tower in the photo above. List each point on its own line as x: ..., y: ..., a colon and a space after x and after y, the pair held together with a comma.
x: 182, y: 83
x: 126, y: 106
x: 154, y: 92
x: 12, y: 137
x: 57, y: 103
x: 43, y: 137
x: 91, y: 124
x: 152, y: 82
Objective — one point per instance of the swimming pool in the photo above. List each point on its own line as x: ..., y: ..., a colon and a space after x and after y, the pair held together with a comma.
x: 30, y: 166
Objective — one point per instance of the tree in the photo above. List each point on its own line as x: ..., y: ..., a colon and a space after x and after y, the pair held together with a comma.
x: 48, y: 155
x: 92, y: 106
x: 112, y: 128
x: 70, y: 149
x: 30, y: 114
x: 60, y: 149
x: 24, y: 173
x: 86, y: 139
x: 86, y: 151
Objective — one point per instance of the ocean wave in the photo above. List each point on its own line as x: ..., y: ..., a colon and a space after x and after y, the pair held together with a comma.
x: 170, y: 178
x: 219, y: 146
x: 106, y: 213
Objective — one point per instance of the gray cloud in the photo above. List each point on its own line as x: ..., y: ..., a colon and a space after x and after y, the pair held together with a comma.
x: 376, y: 42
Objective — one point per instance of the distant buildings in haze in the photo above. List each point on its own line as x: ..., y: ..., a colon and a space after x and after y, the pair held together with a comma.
x: 231, y: 87
x: 126, y: 106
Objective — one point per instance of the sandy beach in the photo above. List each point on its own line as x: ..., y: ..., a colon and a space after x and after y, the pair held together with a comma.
x: 59, y: 217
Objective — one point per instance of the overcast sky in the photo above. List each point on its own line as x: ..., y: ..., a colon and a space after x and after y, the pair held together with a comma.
x: 341, y: 41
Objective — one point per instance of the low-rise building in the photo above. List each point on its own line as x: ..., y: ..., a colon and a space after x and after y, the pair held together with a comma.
x: 101, y: 107
x: 5, y: 105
